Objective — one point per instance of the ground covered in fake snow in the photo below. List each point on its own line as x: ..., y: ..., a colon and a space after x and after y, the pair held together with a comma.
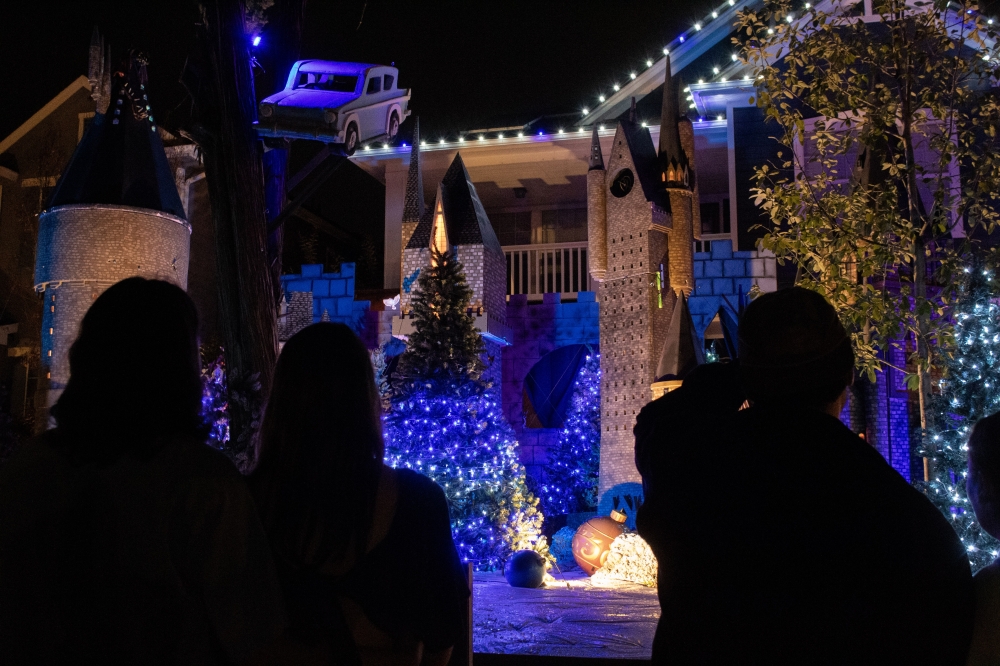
x: 572, y: 617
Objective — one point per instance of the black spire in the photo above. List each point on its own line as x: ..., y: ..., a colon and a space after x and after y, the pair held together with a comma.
x: 631, y: 112
x: 673, y: 160
x: 413, y: 204
x: 682, y: 350
x: 120, y: 160
x: 596, y: 158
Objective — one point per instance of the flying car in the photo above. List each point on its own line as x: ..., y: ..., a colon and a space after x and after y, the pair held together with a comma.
x: 336, y: 102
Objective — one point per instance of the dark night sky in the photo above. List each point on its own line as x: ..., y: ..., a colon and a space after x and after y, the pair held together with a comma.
x: 469, y: 63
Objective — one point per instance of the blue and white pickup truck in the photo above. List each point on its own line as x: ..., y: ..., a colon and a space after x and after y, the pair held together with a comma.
x: 336, y: 102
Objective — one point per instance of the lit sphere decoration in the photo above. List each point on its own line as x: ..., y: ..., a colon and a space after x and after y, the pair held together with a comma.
x: 592, y: 542
x: 525, y: 568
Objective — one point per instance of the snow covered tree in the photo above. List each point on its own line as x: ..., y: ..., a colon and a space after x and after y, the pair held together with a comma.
x: 571, y: 471
x: 969, y: 390
x: 446, y: 423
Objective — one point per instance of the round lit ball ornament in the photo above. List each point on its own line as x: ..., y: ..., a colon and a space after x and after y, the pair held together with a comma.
x: 592, y: 542
x: 525, y: 568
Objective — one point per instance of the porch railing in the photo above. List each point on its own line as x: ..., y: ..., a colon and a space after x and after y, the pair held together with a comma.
x: 554, y: 268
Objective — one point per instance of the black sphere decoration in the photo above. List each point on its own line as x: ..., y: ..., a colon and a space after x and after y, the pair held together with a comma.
x: 525, y: 568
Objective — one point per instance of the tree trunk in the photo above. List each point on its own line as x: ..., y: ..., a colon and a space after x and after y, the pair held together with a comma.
x: 285, y: 39
x: 222, y: 87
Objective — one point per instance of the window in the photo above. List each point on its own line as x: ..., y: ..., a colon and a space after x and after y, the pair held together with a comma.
x: 325, y: 81
x: 565, y: 225
x: 374, y: 85
x: 388, y: 80
x: 512, y: 228
x: 715, y: 217
x: 711, y: 223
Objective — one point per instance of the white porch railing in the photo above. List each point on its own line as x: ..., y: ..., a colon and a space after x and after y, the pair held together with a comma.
x: 554, y: 268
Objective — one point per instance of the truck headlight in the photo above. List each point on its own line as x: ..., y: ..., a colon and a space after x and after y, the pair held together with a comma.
x: 330, y: 117
x: 266, y: 109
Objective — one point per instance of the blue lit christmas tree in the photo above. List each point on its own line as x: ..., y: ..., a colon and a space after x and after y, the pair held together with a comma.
x: 969, y: 390
x: 572, y: 467
x: 213, y: 401
x: 445, y: 422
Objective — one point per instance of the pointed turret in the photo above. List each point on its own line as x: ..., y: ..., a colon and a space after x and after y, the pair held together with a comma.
x: 597, y: 218
x: 631, y: 112
x: 596, y: 158
x: 682, y: 350
x: 121, y: 160
x: 673, y: 160
x: 413, y: 206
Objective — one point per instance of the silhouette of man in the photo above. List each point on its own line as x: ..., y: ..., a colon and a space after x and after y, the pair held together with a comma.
x: 782, y: 537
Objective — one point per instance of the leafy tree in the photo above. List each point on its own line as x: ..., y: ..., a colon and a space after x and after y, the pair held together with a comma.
x: 873, y: 200
x: 969, y: 390
x: 446, y: 423
x: 572, y: 467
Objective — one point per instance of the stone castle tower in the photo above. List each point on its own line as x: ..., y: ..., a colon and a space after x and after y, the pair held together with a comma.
x: 641, y: 216
x: 115, y: 213
x: 457, y: 221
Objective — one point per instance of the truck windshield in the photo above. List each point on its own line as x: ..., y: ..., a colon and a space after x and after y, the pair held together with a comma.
x: 323, y: 81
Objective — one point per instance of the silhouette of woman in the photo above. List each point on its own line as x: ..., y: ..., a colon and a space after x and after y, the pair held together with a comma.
x: 364, y: 552
x: 123, y: 537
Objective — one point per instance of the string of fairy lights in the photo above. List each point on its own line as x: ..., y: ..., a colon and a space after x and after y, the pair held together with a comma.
x: 722, y: 74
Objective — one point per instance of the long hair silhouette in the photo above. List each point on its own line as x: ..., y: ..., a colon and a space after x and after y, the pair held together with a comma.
x: 135, y: 378
x: 320, y: 449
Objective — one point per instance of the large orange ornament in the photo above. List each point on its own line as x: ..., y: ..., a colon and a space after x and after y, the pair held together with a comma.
x: 592, y: 542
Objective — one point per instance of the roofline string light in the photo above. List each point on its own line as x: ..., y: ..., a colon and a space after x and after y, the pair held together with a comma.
x: 680, y: 40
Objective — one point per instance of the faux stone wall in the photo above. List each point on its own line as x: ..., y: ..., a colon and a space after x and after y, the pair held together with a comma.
x: 83, y: 250
x: 681, y: 271
x: 537, y: 329
x: 722, y: 273
x: 313, y: 296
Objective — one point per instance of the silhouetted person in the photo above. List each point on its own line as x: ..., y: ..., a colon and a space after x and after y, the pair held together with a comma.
x: 124, y: 538
x: 983, y: 485
x: 783, y: 537
x: 364, y: 551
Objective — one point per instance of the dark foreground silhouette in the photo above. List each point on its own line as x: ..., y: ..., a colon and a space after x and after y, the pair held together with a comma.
x: 364, y: 552
x: 783, y: 537
x: 123, y: 537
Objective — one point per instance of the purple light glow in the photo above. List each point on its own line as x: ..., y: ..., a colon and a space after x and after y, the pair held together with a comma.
x: 256, y: 40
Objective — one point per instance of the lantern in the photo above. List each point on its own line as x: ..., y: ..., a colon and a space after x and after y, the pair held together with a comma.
x: 592, y: 542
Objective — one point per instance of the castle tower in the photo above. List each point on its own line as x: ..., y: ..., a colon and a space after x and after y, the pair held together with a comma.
x: 413, y: 203
x: 597, y: 213
x: 678, y: 178
x: 635, y: 295
x: 115, y: 213
x: 457, y: 220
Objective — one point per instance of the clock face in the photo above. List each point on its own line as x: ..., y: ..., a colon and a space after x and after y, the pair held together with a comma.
x: 623, y: 182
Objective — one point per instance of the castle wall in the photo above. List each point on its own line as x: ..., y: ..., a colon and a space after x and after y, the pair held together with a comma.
x: 313, y: 296
x: 84, y: 249
x: 721, y: 274
x: 537, y: 329
x: 681, y: 272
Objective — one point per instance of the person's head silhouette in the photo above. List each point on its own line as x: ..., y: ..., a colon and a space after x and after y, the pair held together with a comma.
x: 134, y: 372
x: 794, y: 351
x: 983, y: 482
x: 320, y: 449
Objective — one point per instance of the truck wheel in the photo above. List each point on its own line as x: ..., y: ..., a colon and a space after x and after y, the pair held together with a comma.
x: 351, y: 139
x: 393, y: 125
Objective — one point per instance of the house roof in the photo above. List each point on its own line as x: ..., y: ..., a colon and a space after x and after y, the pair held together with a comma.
x: 464, y: 214
x: 80, y: 83
x: 121, y: 160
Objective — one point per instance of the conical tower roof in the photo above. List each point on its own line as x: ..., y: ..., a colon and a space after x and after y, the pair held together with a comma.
x: 682, y: 350
x: 466, y: 219
x: 596, y: 157
x: 120, y: 160
x: 413, y: 204
x: 673, y: 161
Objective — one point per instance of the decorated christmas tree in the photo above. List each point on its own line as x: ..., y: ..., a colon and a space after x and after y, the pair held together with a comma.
x: 445, y: 422
x: 968, y: 391
x: 214, y: 406
x: 572, y: 467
